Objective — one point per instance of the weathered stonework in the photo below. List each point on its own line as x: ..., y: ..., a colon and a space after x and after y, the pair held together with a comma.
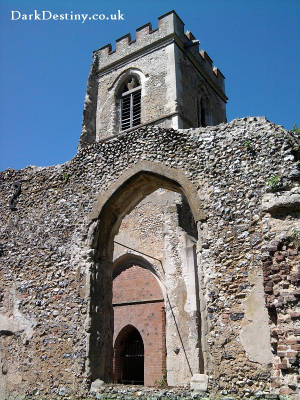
x: 175, y: 80
x: 281, y: 286
x: 57, y: 254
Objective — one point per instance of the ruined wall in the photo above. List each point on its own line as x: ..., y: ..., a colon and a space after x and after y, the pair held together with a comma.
x: 48, y: 267
x: 281, y: 276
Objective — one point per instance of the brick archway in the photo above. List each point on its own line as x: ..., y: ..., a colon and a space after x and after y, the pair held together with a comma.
x: 138, y: 301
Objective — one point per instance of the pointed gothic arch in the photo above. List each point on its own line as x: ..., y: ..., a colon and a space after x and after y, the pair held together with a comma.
x: 129, y: 88
x: 131, y: 187
x: 138, y: 301
x: 128, y: 361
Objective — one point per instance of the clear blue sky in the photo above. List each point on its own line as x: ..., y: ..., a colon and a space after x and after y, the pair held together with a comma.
x: 45, y: 65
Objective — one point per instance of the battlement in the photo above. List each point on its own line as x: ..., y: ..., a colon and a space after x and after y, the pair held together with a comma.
x: 170, y: 26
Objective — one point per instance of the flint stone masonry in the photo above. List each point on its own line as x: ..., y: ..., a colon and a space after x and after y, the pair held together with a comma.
x: 134, y: 392
x: 131, y: 392
x: 57, y: 256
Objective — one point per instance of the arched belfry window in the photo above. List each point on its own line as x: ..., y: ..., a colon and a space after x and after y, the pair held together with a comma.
x: 130, y: 112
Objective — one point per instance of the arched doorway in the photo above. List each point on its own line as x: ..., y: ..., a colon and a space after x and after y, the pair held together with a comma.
x: 113, y: 205
x: 129, y: 357
x: 138, y: 302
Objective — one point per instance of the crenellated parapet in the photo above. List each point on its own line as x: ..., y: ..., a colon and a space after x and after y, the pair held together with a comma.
x: 178, y: 85
x: 169, y: 25
x: 170, y: 29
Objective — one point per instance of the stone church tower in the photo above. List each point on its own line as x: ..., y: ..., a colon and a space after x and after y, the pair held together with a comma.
x: 160, y: 78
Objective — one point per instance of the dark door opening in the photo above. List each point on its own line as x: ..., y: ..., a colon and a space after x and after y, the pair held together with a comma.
x: 133, y: 359
x: 129, y: 358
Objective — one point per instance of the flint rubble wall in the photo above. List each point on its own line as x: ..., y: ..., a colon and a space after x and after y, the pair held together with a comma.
x: 246, y: 174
